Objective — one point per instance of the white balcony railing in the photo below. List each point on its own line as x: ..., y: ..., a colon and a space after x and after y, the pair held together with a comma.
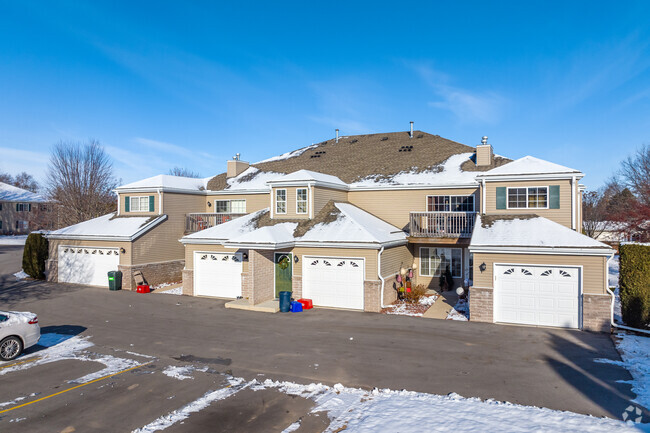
x: 442, y: 224
x: 195, y: 222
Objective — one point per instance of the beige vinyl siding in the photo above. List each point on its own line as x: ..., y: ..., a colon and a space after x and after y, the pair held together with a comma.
x: 254, y: 202
x: 156, y: 201
x: 291, y: 203
x: 483, y: 155
x: 394, y: 206
x: 324, y: 195
x: 593, y: 267
x: 161, y: 244
x: 394, y: 259
x: 561, y: 215
x: 433, y: 282
x: 125, y: 258
x: 191, y: 249
x: 370, y: 257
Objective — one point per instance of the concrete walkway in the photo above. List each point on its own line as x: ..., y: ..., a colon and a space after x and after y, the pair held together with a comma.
x: 443, y: 305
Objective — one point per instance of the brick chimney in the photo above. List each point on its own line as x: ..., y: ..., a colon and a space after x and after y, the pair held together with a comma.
x: 236, y: 167
x: 484, y: 154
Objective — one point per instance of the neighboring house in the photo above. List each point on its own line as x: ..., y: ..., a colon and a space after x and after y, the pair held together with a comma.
x: 614, y: 232
x: 336, y: 221
x: 21, y: 211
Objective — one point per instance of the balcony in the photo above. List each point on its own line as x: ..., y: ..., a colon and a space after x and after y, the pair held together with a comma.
x: 442, y: 224
x: 195, y: 222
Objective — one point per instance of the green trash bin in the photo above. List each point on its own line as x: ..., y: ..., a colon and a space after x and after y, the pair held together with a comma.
x: 115, y: 280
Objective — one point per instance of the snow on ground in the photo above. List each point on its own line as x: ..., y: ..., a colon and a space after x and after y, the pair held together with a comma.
x: 174, y: 291
x: 182, y: 372
x: 21, y: 275
x: 357, y: 410
x: 635, y: 352
x: 614, y: 269
x: 13, y: 240
x: 460, y: 311
x: 162, y: 288
x: 402, y: 308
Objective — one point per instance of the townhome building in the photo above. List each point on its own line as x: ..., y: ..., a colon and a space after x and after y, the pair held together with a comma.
x: 22, y: 211
x: 337, y: 221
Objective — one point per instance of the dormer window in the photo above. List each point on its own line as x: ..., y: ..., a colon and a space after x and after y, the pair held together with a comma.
x: 281, y: 201
x: 528, y: 198
x: 301, y: 200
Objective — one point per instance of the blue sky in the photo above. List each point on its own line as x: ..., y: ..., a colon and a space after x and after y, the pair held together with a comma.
x: 161, y: 83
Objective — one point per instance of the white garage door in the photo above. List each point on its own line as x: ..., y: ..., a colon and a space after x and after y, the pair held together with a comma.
x: 333, y: 282
x: 537, y: 295
x: 87, y: 265
x: 217, y: 274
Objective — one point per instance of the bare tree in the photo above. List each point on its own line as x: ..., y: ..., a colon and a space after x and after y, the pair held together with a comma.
x: 6, y: 178
x: 26, y: 181
x: 80, y: 181
x: 635, y: 173
x: 595, y: 218
x: 183, y: 172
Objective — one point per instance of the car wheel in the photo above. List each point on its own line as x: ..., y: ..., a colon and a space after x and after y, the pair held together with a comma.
x: 10, y: 348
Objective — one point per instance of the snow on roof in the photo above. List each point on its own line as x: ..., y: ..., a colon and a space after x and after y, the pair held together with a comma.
x: 288, y: 155
x: 308, y: 175
x: 108, y: 227
x: 354, y: 225
x: 13, y: 193
x: 527, y: 231
x: 447, y: 173
x: 235, y: 227
x: 169, y: 181
x: 529, y: 165
x: 277, y: 234
x: 252, y: 178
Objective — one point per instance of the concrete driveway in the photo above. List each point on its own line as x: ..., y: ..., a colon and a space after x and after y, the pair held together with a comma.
x: 529, y: 366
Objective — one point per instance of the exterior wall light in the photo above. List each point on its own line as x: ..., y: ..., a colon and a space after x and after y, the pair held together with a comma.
x: 122, y: 250
x: 295, y: 258
x: 482, y: 267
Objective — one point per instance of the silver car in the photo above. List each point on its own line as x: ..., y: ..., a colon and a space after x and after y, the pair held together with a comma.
x: 18, y: 331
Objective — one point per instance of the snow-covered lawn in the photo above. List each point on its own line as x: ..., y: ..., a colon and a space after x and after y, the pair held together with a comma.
x: 13, y: 240
x: 614, y: 270
x: 460, y: 311
x: 635, y: 352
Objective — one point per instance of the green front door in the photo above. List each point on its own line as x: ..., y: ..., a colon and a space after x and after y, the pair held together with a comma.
x: 283, y: 272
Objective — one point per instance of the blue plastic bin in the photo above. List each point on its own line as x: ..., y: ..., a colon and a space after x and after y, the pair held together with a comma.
x: 285, y: 302
x: 296, y: 307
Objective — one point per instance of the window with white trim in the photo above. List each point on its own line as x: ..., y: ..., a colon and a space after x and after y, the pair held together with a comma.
x: 450, y: 203
x: 280, y: 201
x: 139, y: 204
x: 230, y: 206
x: 528, y: 198
x: 433, y: 261
x: 301, y: 200
x: 23, y: 207
x: 21, y: 225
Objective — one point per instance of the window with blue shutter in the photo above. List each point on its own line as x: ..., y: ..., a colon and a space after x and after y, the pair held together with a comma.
x: 501, y: 197
x: 127, y: 204
x: 151, y: 204
x: 554, y: 197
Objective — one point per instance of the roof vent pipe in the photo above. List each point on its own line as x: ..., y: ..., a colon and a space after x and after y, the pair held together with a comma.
x: 484, y: 139
x: 337, y: 135
x: 411, y: 133
x: 236, y: 157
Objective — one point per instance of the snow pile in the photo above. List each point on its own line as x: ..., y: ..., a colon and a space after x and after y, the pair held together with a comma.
x: 21, y: 275
x: 635, y: 352
x: 13, y: 240
x: 449, y: 174
x: 428, y: 300
x: 460, y: 311
x: 174, y: 291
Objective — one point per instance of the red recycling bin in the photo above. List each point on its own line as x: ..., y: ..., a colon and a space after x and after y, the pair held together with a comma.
x: 306, y: 303
x: 143, y: 288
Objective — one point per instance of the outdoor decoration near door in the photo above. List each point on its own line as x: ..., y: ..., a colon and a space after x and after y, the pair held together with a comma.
x: 283, y: 273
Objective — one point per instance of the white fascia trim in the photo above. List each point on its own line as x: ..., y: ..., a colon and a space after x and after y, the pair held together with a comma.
x: 238, y: 191
x: 254, y: 246
x: 529, y: 176
x: 131, y: 238
x: 409, y: 187
x: 542, y: 250
x: 285, y: 183
x: 306, y: 244
x: 358, y: 245
x: 201, y: 241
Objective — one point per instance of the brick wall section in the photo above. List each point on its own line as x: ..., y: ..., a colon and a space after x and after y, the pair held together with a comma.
x: 188, y: 282
x: 596, y: 313
x: 260, y: 266
x: 296, y: 286
x: 371, y: 299
x: 481, y: 304
x: 390, y: 294
x: 153, y: 273
x: 247, y: 286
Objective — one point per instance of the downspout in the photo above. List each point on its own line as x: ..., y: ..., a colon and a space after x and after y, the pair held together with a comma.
x: 611, y: 318
x: 310, y: 201
x: 383, y: 282
x: 160, y: 201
